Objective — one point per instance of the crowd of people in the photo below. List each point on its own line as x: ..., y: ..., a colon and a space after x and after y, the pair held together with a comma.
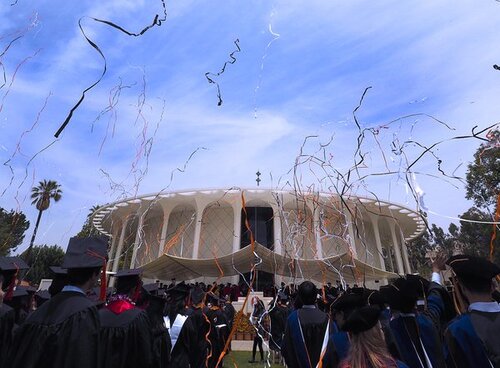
x: 411, y: 322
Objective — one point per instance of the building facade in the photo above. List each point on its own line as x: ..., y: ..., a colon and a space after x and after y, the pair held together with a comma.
x: 223, y: 234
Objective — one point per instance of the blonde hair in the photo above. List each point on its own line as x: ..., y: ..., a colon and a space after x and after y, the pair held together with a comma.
x: 368, y: 349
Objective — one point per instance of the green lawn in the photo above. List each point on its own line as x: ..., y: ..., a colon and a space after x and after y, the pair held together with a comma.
x: 241, y: 358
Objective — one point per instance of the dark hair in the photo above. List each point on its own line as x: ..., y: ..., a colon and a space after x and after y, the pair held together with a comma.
x: 476, y: 284
x: 79, y: 276
x: 308, y: 292
x: 57, y: 285
x: 125, y: 284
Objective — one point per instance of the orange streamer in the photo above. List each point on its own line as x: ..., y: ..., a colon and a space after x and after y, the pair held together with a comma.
x: 239, y: 315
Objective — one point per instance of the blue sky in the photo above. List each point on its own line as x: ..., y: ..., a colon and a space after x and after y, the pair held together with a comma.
x: 431, y: 58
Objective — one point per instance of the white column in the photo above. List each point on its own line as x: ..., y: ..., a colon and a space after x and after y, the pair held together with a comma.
x: 395, y: 245
x: 200, y: 207
x: 236, y: 225
x: 378, y: 242
x: 277, y: 230
x: 405, y: 252
x: 138, y: 238
x: 317, y: 232
x: 352, y: 239
x: 116, y: 260
x: 111, y: 254
x: 163, y: 235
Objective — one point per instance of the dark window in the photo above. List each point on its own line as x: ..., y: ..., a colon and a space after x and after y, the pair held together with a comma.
x: 261, y: 224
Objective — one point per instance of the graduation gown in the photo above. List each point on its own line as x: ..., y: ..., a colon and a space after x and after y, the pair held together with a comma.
x: 472, y: 339
x: 161, y: 338
x: 229, y: 312
x: 7, y: 317
x: 191, y: 347
x: 126, y: 337
x: 63, y: 332
x: 413, y: 334
x: 278, y: 316
x: 313, y: 324
x: 218, y: 334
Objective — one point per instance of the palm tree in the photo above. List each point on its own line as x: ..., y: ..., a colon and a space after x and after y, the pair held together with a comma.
x: 41, y: 195
x: 88, y: 228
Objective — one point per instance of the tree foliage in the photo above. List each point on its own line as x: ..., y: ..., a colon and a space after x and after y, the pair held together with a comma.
x: 483, y: 176
x: 475, y: 237
x: 41, y: 196
x: 40, y: 258
x: 13, y: 225
x: 88, y: 228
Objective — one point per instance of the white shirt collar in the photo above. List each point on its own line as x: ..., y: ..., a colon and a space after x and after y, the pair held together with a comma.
x: 73, y: 288
x: 491, y: 307
x: 308, y: 306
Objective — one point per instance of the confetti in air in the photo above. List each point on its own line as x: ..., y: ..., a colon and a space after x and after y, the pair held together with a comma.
x: 157, y: 21
x: 211, y: 76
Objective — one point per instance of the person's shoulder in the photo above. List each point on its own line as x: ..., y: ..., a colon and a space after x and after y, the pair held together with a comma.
x: 61, y: 307
x: 459, y: 323
x: 400, y: 364
x: 5, y: 309
x: 126, y: 318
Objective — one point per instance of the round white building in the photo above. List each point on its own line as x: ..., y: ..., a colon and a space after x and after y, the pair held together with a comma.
x: 207, y: 235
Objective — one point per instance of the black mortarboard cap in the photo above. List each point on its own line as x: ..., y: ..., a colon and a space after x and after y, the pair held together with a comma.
x: 348, y: 301
x: 472, y: 267
x: 151, y: 289
x: 41, y: 297
x: 282, y: 296
x: 20, y: 292
x: 131, y: 272
x: 420, y: 284
x: 197, y: 295
x: 212, y: 298
x: 374, y: 297
x: 401, y: 295
x: 86, y: 252
x: 8, y: 264
x: 9, y: 267
x: 58, y: 270
x: 178, y: 292
x: 362, y: 319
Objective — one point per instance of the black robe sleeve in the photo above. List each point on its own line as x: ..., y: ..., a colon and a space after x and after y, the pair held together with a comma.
x: 191, y: 348
x: 7, y: 315
x: 126, y: 339
x: 63, y: 332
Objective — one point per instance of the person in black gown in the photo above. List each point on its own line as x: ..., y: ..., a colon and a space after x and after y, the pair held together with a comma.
x: 126, y: 337
x: 59, y: 280
x: 9, y: 268
x: 278, y: 314
x: 367, y: 347
x: 218, y: 329
x: 471, y: 339
x: 191, y: 347
x: 153, y: 301
x: 64, y: 332
x: 416, y: 335
x: 306, y: 338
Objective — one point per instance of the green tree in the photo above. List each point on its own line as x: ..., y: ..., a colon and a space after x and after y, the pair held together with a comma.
x: 41, y: 257
x: 476, y: 236
x: 419, y: 248
x: 483, y: 175
x: 483, y: 187
x: 13, y: 225
x: 41, y: 196
x: 88, y: 228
